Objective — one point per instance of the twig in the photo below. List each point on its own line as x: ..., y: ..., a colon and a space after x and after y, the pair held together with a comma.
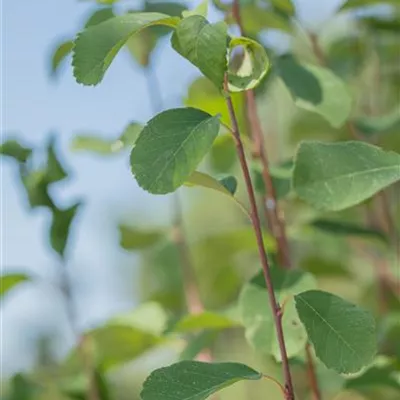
x: 276, y: 309
x: 312, y: 376
x: 271, y: 207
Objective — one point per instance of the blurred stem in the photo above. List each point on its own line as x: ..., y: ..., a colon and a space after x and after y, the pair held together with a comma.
x: 312, y: 376
x: 271, y: 208
x: 190, y: 287
x: 83, y: 345
x: 275, y: 306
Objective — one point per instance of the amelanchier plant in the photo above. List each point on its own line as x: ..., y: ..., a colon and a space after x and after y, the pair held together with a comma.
x: 283, y: 312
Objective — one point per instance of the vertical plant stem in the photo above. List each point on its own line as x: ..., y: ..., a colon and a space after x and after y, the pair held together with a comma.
x: 275, y: 306
x: 312, y: 376
x: 271, y: 207
x: 190, y: 287
x: 82, y: 342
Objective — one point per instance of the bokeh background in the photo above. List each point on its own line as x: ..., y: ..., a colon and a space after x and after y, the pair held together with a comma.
x: 106, y: 279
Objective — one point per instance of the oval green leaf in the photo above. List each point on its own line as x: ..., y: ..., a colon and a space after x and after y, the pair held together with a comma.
x: 335, y: 176
x: 9, y: 281
x: 96, y: 47
x: 170, y: 147
x: 193, y: 380
x: 138, y: 239
x: 343, y: 335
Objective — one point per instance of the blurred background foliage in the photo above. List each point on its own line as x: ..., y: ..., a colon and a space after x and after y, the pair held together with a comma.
x: 346, y: 254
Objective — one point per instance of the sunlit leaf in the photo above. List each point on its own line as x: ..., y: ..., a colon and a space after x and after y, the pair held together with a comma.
x: 170, y: 147
x: 13, y: 148
x: 258, y: 318
x: 352, y: 4
x: 227, y: 185
x: 138, y: 239
x: 316, y: 89
x: 60, y: 227
x: 96, y: 47
x: 9, y: 281
x: 204, y: 45
x: 343, y: 335
x: 335, y: 176
x: 193, y: 380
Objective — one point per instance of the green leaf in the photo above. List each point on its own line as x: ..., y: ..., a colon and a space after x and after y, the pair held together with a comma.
x: 55, y: 171
x: 316, y: 89
x: 9, y: 281
x: 225, y: 186
x: 371, y: 125
x: 341, y: 228
x: 99, y: 16
x: 285, y: 6
x: 60, y: 227
x: 383, y: 373
x: 201, y: 9
x: 351, y: 4
x: 324, y: 267
x: 202, y: 321
x: 96, y: 47
x: 138, y: 239
x: 13, y: 148
x: 170, y: 147
x: 223, y: 153
x: 204, y: 45
x: 254, y: 67
x: 117, y: 344
x: 197, y: 344
x: 22, y: 388
x: 36, y: 187
x: 103, y: 146
x: 60, y: 53
x: 257, y: 316
x: 193, y: 380
x: 336, y: 176
x: 343, y: 335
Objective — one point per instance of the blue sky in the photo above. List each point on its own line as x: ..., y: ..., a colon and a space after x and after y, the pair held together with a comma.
x: 32, y: 107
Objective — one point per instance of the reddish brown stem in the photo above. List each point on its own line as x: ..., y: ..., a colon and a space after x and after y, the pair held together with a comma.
x: 312, y: 376
x: 275, y: 306
x: 271, y: 207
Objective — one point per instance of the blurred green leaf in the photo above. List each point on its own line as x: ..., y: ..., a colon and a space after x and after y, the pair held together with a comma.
x: 204, y: 321
x: 197, y: 344
x: 204, y: 45
x: 183, y: 137
x: 36, y: 187
x: 22, y: 388
x: 342, y: 228
x: 383, y: 372
x: 98, y: 145
x: 96, y: 47
x: 60, y: 227
x: 254, y: 67
x: 316, y: 89
x: 324, y: 267
x: 381, y: 24
x: 223, y: 153
x: 138, y: 239
x: 201, y: 9
x: 55, y: 171
x: 343, y: 335
x: 352, y: 4
x: 335, y: 176
x: 370, y: 125
x: 258, y: 318
x: 9, y: 281
x: 61, y: 52
x: 99, y: 16
x: 13, y: 148
x: 195, y: 380
x: 286, y: 6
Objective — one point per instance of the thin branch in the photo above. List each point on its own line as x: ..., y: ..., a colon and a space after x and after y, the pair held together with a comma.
x: 312, y: 376
x: 271, y: 208
x: 276, y: 309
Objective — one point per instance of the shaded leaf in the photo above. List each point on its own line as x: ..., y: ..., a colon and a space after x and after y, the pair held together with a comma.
x: 9, y: 281
x: 60, y: 227
x: 96, y: 47
x: 254, y: 67
x: 13, y: 148
x: 99, y: 16
x: 138, y: 239
x: 55, y: 171
x: 323, y: 267
x: 225, y: 186
x: 336, y: 176
x: 204, y: 45
x: 203, y: 321
x: 197, y: 344
x: 61, y: 52
x: 343, y: 335
x: 347, y: 229
x: 316, y: 89
x: 258, y: 318
x: 193, y: 380
x: 22, y: 388
x: 170, y: 147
